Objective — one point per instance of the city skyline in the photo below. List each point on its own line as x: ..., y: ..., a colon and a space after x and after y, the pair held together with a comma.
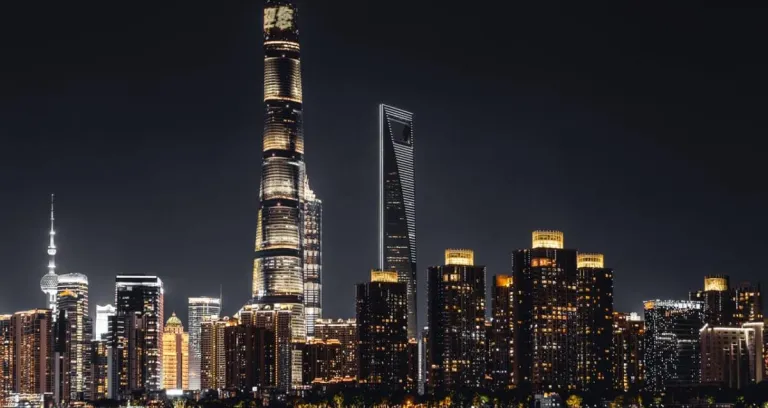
x: 89, y: 244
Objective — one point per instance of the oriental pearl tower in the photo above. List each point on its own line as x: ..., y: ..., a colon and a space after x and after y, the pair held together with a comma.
x: 50, y: 281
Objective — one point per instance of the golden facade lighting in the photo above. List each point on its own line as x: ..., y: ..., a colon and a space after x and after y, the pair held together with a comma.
x: 548, y: 239
x: 378, y: 275
x: 459, y: 257
x: 717, y: 283
x: 589, y: 260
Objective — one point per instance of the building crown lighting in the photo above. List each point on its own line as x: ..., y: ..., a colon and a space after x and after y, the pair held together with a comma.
x: 459, y: 257
x: 716, y: 283
x: 378, y: 275
x: 548, y: 239
x: 503, y: 281
x: 589, y: 260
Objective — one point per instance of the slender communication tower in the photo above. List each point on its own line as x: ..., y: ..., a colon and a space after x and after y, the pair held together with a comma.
x: 49, y: 282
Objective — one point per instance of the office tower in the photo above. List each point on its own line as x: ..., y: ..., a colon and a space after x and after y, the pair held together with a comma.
x: 32, y: 337
x: 628, y: 365
x: 250, y: 356
x: 545, y: 312
x: 323, y: 361
x: 286, y: 353
x: 72, y: 304
x: 423, y: 370
x: 594, y: 309
x: 501, y: 341
x: 102, y: 321
x: 99, y: 369
x: 719, y: 301
x: 175, y: 355
x: 213, y: 362
x: 732, y: 356
x: 312, y: 250
x: 199, y: 308
x: 456, y: 319
x: 135, y: 335
x: 345, y: 331
x: 397, y: 202
x: 382, y: 320
x: 749, y: 304
x: 49, y: 282
x: 6, y: 356
x: 672, y: 347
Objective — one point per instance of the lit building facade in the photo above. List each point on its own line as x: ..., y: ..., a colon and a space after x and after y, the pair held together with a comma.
x: 545, y: 278
x: 672, y: 343
x: 628, y: 365
x: 6, y: 356
x: 278, y: 269
x: 49, y: 281
x: 594, y: 304
x: 199, y: 308
x: 323, y: 361
x: 719, y: 301
x: 312, y: 253
x: 99, y: 369
x: 213, y: 361
x: 397, y: 202
x: 345, y: 332
x: 382, y: 321
x: 72, y: 304
x: 456, y: 318
x: 732, y: 356
x: 135, y: 335
x: 32, y: 337
x: 175, y: 355
x: 501, y: 341
x: 250, y: 356
x: 286, y: 352
x: 749, y: 304
x: 101, y: 328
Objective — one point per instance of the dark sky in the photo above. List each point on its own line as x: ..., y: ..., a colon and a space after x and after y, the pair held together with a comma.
x: 635, y: 129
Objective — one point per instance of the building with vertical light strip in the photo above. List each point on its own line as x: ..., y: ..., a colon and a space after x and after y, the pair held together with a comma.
x: 397, y: 202
x: 72, y: 304
x: 213, y: 363
x: 200, y: 308
x: 6, y: 356
x: 175, y: 355
x: 101, y: 328
x: 32, y: 337
x: 732, y: 356
x: 628, y: 364
x: 312, y: 250
x: 501, y: 342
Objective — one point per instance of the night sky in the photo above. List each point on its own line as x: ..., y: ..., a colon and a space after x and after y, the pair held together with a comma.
x: 636, y: 131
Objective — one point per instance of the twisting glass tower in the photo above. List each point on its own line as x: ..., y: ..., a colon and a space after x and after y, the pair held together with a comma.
x: 49, y: 282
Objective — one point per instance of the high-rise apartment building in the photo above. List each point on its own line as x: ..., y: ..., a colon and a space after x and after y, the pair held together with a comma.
x: 382, y: 321
x: 199, y: 308
x: 628, y: 364
x: 397, y: 202
x: 312, y: 252
x: 594, y: 309
x: 250, y: 356
x: 75, y: 337
x: 286, y: 353
x: 456, y: 318
x: 213, y: 357
x: 101, y: 328
x: 323, y: 361
x: 6, y: 356
x: 345, y: 332
x: 175, y: 355
x: 32, y: 337
x: 749, y: 304
x: 545, y: 279
x: 135, y: 335
x: 99, y: 369
x: 672, y: 348
x: 732, y: 356
x: 501, y: 341
x: 719, y: 301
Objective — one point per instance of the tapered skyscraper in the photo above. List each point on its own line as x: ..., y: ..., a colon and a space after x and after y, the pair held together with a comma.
x: 49, y: 282
x: 397, y: 209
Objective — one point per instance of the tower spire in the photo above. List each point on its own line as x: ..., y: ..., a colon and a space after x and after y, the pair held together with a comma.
x: 52, y: 244
x: 50, y: 281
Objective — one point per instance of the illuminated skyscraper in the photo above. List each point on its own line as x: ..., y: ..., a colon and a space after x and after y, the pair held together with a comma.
x: 456, y: 317
x: 312, y: 249
x: 545, y: 280
x: 135, y: 335
x: 6, y: 356
x: 382, y: 316
x: 99, y: 369
x: 72, y: 303
x: 397, y: 202
x: 345, y: 332
x: 501, y: 342
x: 732, y: 356
x: 200, y: 308
x: 594, y: 309
x: 749, y: 303
x: 175, y: 355
x: 102, y: 321
x: 628, y: 350
x: 213, y: 363
x: 32, y: 351
x: 719, y: 301
x: 278, y: 269
x: 672, y: 348
x: 249, y: 354
x: 48, y: 284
